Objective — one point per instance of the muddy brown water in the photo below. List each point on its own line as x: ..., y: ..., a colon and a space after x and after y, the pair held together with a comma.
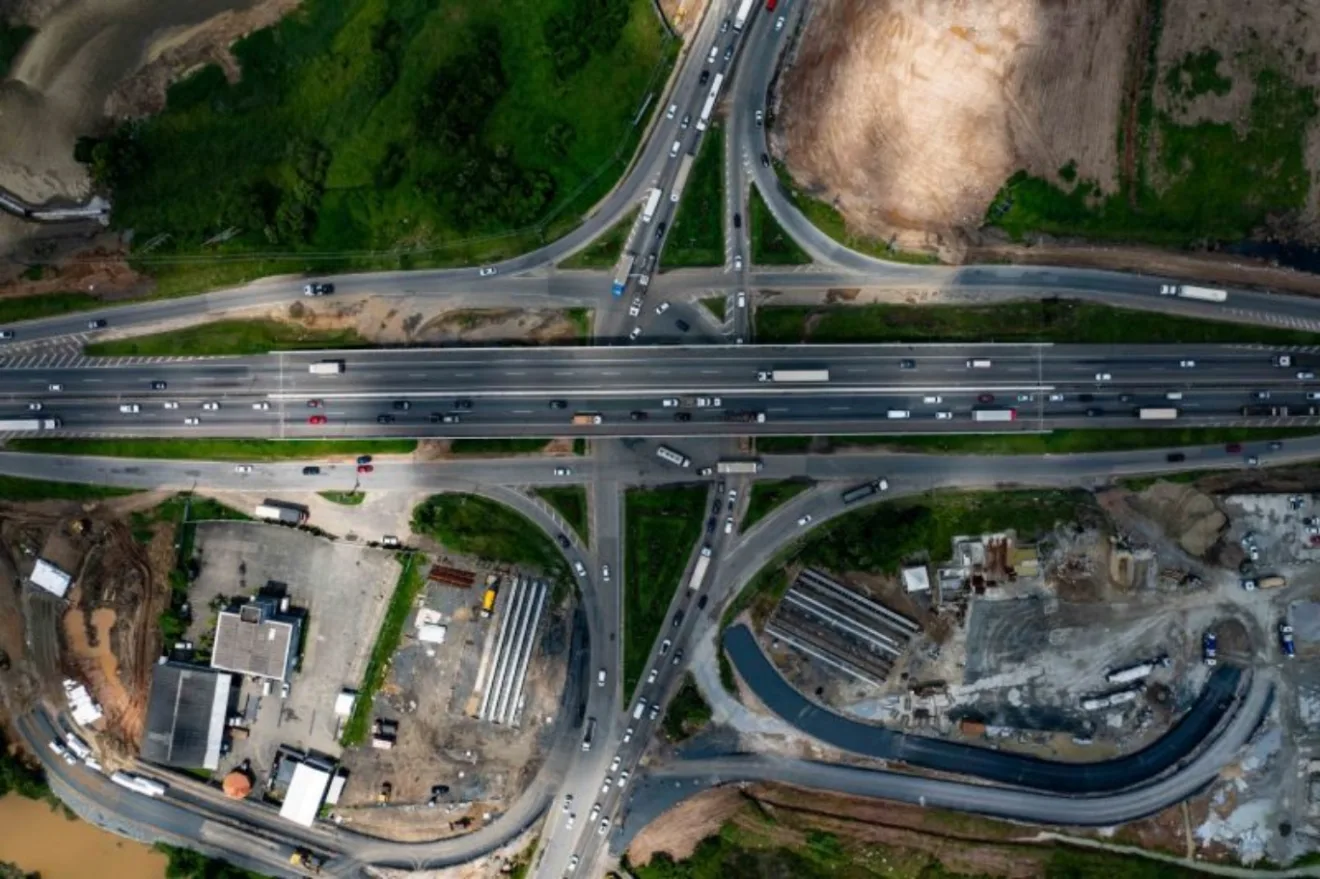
x: 41, y: 840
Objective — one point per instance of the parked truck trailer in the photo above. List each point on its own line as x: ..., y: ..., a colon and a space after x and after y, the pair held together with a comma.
x: 621, y: 271
x: 751, y: 466
x: 273, y: 512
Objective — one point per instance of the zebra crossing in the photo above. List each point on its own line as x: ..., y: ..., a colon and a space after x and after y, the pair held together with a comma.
x: 1279, y: 320
x: 75, y: 359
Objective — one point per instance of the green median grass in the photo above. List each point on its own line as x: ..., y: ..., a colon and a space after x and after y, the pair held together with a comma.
x: 235, y: 337
x: 716, y: 305
x: 662, y: 526
x: 696, y: 237
x: 765, y: 496
x: 204, y: 449
x: 344, y: 498
x: 605, y: 251
x: 688, y: 713
x: 487, y: 529
x: 16, y: 488
x: 771, y: 245
x: 411, y: 580
x: 571, y: 502
x: 1046, y: 320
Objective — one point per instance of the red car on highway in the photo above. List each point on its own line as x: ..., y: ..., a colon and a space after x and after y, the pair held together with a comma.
x: 986, y: 398
x: 316, y: 419
x: 365, y: 468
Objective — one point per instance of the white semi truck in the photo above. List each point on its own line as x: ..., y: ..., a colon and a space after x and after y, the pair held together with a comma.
x: 793, y: 376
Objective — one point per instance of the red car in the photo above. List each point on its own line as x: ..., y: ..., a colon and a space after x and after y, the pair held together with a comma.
x: 986, y: 398
x: 365, y: 468
x: 316, y: 419
x: 1233, y: 448
x: 313, y: 404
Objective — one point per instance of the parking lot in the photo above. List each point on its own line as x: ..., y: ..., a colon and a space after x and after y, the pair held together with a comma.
x: 342, y: 588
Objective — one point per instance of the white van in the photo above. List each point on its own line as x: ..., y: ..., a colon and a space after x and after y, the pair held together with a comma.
x: 640, y: 709
x: 978, y: 364
x: 129, y: 408
x: 1173, y: 395
x: 898, y: 413
x: 673, y: 150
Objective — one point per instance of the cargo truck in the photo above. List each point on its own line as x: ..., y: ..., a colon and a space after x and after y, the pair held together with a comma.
x: 994, y: 414
x: 29, y: 424
x: 739, y: 466
x: 652, y: 202
x: 277, y: 513
x: 590, y: 734
x: 704, y: 119
x: 488, y: 603
x: 665, y: 453
x: 758, y: 417
x: 699, y: 570
x: 853, y: 495
x: 684, y: 168
x: 146, y: 786
x: 1186, y: 291
x: 588, y: 418
x: 740, y: 17
x: 793, y: 376
x: 1168, y: 413
x: 621, y: 273
x: 326, y: 367
x: 1273, y: 581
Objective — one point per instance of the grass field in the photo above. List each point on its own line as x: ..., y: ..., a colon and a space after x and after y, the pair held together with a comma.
x: 1059, y: 442
x: 213, y: 449
x: 16, y: 488
x: 411, y: 580
x: 1047, y: 320
x: 717, y: 306
x: 344, y: 498
x: 605, y: 251
x: 360, y: 127
x: 497, y: 446
x: 765, y: 496
x: 237, y: 337
x: 697, y: 236
x: 47, y: 305
x: 489, y: 530
x: 688, y: 713
x: 662, y: 525
x: 571, y: 503
x: 771, y: 245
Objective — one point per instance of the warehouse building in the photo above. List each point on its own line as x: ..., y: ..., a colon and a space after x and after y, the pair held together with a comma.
x: 257, y: 639
x: 48, y: 576
x: 186, y: 716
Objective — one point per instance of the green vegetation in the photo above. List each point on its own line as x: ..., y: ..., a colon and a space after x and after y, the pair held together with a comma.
x: 716, y: 305
x: 407, y: 133
x: 662, y: 526
x: 581, y: 319
x: 697, y: 235
x: 765, y: 496
x: 1046, y: 320
x: 828, y: 220
x: 20, y: 777
x: 487, y: 529
x: 412, y: 578
x: 605, y: 251
x: 571, y: 503
x: 580, y: 446
x: 12, y: 38
x: 727, y: 679
x: 497, y: 446
x: 345, y: 498
x: 1059, y: 442
x: 16, y: 488
x: 771, y: 245
x: 185, y: 863
x: 213, y: 449
x: 46, y: 305
x: 688, y: 713
x: 522, y: 865
x: 1197, y: 74
x: 235, y: 337
x: 1214, y: 183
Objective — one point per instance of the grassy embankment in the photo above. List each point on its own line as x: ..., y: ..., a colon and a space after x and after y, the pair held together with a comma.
x: 716, y: 305
x: 344, y: 498
x: 687, y: 714
x: 765, y: 496
x: 484, y: 528
x: 408, y: 135
x: 571, y: 503
x: 209, y: 449
x: 16, y: 488
x: 497, y: 446
x: 412, y: 577
x: 185, y: 863
x: 662, y: 525
x: 235, y: 337
x: 697, y: 235
x: 605, y: 251
x: 910, y: 527
x: 771, y: 245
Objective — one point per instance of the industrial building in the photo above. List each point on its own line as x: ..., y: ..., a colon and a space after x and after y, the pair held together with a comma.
x: 306, y: 792
x: 49, y: 577
x: 186, y: 716
x: 257, y: 639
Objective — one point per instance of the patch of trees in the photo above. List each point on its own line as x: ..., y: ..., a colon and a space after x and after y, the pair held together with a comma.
x: 20, y: 777
x: 185, y: 863
x: 573, y: 33
x: 382, y: 69
x: 295, y: 218
x: 112, y: 160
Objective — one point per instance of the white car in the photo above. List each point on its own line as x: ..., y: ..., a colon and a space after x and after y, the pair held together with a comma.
x: 635, y: 309
x: 614, y: 766
x: 1056, y: 398
x: 210, y: 406
x: 805, y: 520
x: 487, y: 271
x: 600, y: 678
x: 284, y: 690
x: 130, y: 408
x: 742, y: 299
x: 192, y: 421
x: 604, y: 827
x: 655, y: 672
x: 1103, y: 377
x: 737, y: 263
x: 34, y: 406
x: 728, y: 525
x: 563, y: 471
x: 670, y: 402
x: 1301, y: 376
x: 665, y: 645
x: 760, y: 117
x: 673, y: 108
x: 171, y: 404
x: 1187, y: 364
x: 627, y: 735
x: 595, y: 812
x: 623, y: 778
x: 56, y: 386
x: 662, y: 308
x: 579, y: 569
x: 779, y: 23
x: 609, y: 782
x: 943, y: 416
x: 242, y: 468
x: 568, y: 825
x: 733, y: 496
x: 261, y: 406
x: 1025, y: 398
x: 605, y: 573
x: 1168, y: 290
x: 933, y: 400
x: 636, y: 331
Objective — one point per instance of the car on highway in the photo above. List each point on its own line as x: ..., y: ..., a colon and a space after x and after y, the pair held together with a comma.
x: 985, y: 398
x: 607, y: 784
x: 660, y: 231
x: 1025, y: 398
x: 604, y: 827
x: 932, y: 400
x: 487, y: 271
x: 159, y: 385
x: 678, y: 618
x: 579, y: 569
x: 728, y: 525
x: 261, y: 406
x: 463, y: 404
x: 605, y: 573
x: 595, y: 812
x: 737, y: 263
x: 627, y: 735
x: 714, y: 53
x: 655, y: 673
x: 662, y: 308
x: 673, y: 108
x: 444, y: 418
x: 678, y: 654
x: 1103, y: 377
x: 55, y: 386
x: 563, y: 471
x: 242, y: 468
x: 401, y: 405
x: 6, y: 334
x: 673, y: 150
x: 760, y: 117
x: 1186, y: 364
x: 804, y: 520
x: 568, y: 802
x: 558, y: 404
x: 316, y: 419
x: 568, y: 825
x: 943, y: 416
x: 98, y: 324
x: 171, y: 404
x: 665, y: 645
x: 315, y: 404
x: 1210, y: 648
x: 600, y: 678
x: 683, y: 417
x: 1175, y: 457
x: 192, y: 421
x: 384, y: 419
x: 623, y: 778
x: 635, y: 308
x: 366, y: 468
x: 670, y: 402
x: 687, y: 120
x: 562, y: 540
x: 705, y: 471
x: 1125, y: 398
x: 779, y: 23
x: 741, y: 300
x: 1253, y: 461
x: 1261, y: 395
x: 35, y: 406
x: 683, y: 326
x: 765, y: 160
x: 318, y: 289
x: 130, y: 408
x: 312, y: 470
x: 654, y: 712
x: 724, y: 26
x: 1275, y: 446
x: 728, y: 53
x: 614, y: 764
x: 733, y: 496
x: 636, y: 332
x: 704, y: 78
x: 710, y: 525
x: 363, y: 459
x: 1056, y: 398
x: 638, y: 415
x: 1286, y: 642
x: 708, y: 402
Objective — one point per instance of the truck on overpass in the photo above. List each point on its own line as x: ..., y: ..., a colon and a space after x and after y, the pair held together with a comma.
x: 793, y: 376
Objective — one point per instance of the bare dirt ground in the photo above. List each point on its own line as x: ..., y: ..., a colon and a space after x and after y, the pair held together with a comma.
x: 1190, y: 516
x: 908, y: 115
x: 412, y: 321
x: 678, y: 831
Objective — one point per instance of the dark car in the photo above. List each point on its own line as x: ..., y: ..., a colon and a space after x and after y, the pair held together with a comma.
x: 683, y: 326
x: 683, y: 416
x: 701, y: 602
x: 1085, y: 398
x: 402, y: 405
x: 558, y: 404
x: 563, y: 541
x: 311, y: 471
x: 1175, y: 457
x: 1233, y: 448
x: 678, y: 656
x: 710, y: 525
x: 436, y: 417
x: 97, y: 324
x: 6, y: 334
x: 765, y: 160
x: 363, y: 459
x: 907, y: 364
x: 159, y: 386
x: 638, y: 415
x: 678, y: 618
x: 985, y: 398
x: 1094, y: 412
x: 737, y: 221
x: 660, y: 231
x: 704, y: 78
x: 384, y: 419
x: 1125, y: 398
x: 716, y: 507
x: 463, y: 405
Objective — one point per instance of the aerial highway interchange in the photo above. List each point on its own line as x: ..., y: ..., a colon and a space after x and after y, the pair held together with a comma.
x: 637, y: 389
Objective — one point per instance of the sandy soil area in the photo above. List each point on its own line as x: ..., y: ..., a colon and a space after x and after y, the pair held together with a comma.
x: 909, y: 114
x: 413, y: 321
x: 678, y: 831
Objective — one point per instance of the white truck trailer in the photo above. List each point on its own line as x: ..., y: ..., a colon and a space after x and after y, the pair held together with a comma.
x: 994, y: 415
x: 707, y: 108
x: 652, y: 202
x: 740, y: 17
x: 28, y: 424
x: 278, y: 513
x: 753, y: 466
x: 326, y: 367
x: 793, y: 376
